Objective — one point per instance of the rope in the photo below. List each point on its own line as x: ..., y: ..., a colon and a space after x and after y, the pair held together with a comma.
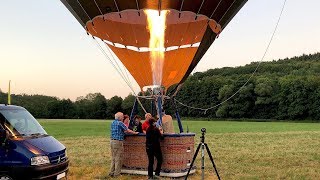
x: 181, y: 5
x: 138, y: 7
x: 125, y: 78
x: 115, y: 2
x: 199, y: 9
x: 125, y: 75
x: 215, y: 9
x: 159, y: 7
x: 144, y: 110
x: 84, y: 10
x: 112, y: 63
x: 267, y: 48
x: 118, y: 69
x: 181, y: 8
x: 98, y: 7
x: 226, y: 11
x: 125, y: 70
x: 119, y: 72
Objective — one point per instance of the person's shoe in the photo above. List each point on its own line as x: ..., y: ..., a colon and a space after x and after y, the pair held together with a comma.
x: 156, y: 176
x: 150, y: 178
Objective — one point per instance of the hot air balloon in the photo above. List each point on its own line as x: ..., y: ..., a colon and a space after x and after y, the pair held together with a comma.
x: 160, y: 42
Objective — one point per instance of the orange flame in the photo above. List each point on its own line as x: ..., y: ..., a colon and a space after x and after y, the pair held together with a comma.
x: 156, y: 26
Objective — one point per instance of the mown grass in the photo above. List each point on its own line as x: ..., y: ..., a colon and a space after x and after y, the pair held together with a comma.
x: 242, y: 150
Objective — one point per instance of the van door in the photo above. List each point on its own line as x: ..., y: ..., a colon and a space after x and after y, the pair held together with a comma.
x: 3, y: 138
x: 2, y: 150
x: 2, y: 154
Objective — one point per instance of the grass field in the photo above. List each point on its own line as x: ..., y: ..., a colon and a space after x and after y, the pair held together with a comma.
x: 242, y: 150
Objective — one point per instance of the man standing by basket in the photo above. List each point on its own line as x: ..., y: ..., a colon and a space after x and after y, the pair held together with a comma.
x: 118, y: 130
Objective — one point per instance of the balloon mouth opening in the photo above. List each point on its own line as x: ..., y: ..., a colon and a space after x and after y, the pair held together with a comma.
x: 154, y: 90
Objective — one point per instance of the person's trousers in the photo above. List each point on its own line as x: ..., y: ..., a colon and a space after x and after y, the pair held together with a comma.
x: 152, y: 152
x: 116, y: 157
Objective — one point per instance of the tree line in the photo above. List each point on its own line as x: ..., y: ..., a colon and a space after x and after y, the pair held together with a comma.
x: 286, y: 89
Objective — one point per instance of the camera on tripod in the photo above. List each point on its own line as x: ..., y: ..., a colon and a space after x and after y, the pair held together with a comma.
x: 203, y: 130
x: 203, y: 146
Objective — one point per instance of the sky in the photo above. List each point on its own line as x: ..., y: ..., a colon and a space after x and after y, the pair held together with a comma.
x: 44, y: 50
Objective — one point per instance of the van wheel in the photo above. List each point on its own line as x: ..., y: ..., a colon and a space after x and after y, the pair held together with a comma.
x: 5, y: 177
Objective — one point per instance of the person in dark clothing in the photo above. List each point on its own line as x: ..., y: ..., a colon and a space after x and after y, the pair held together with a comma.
x: 136, y: 125
x: 153, y: 136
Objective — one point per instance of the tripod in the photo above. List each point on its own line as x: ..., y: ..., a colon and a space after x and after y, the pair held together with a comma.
x: 202, y: 144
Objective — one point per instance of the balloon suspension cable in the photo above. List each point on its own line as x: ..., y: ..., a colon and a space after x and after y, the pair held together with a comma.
x: 206, y: 25
x: 84, y: 10
x: 159, y: 7
x: 227, y: 11
x: 215, y: 9
x: 253, y: 73
x: 116, y: 65
x: 98, y: 8
x: 113, y: 63
x: 115, y: 2
x: 181, y: 6
x: 113, y: 57
x: 119, y: 71
x: 144, y: 110
x: 125, y: 74
x: 138, y: 7
x: 199, y: 10
x: 125, y: 71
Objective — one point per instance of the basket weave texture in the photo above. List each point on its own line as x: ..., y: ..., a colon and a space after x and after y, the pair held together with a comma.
x: 177, y: 152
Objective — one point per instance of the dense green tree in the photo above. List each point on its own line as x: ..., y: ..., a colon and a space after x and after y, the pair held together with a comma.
x: 266, y: 100
x: 127, y: 103
x: 63, y: 109
x: 114, y: 105
x: 293, y: 102
x: 92, y: 106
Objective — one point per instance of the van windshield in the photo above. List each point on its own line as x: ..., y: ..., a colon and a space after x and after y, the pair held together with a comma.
x: 20, y: 122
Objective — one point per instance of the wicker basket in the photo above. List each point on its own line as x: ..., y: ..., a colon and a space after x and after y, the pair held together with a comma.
x: 177, y: 151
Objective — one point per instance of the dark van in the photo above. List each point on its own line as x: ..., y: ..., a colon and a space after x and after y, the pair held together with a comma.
x: 26, y: 150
